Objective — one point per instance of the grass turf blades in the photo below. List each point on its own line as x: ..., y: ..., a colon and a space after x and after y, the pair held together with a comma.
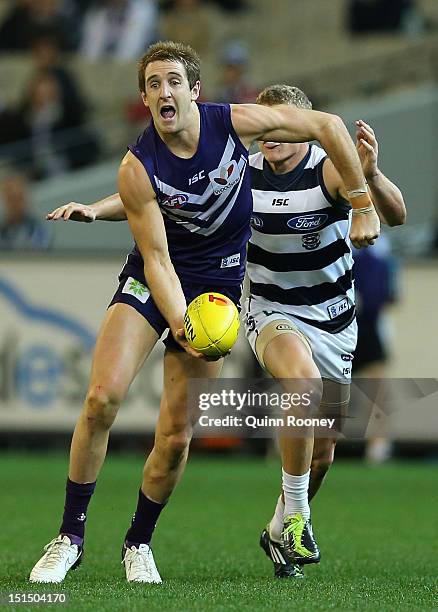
x: 373, y: 525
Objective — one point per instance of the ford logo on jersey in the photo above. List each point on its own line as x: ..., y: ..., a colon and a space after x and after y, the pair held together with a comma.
x: 176, y: 201
x: 307, y: 223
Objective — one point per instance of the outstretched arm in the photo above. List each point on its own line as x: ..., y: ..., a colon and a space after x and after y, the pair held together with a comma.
x: 147, y: 226
x: 387, y: 197
x: 285, y: 123
x: 109, y: 209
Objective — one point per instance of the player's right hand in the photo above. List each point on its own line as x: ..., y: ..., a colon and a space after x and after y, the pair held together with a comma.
x: 180, y: 337
x: 74, y: 211
x: 365, y: 229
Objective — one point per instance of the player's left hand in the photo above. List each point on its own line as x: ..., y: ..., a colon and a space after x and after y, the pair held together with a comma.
x: 365, y: 229
x: 367, y: 148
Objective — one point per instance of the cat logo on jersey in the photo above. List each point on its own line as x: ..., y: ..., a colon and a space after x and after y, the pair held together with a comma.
x: 311, y: 241
x: 224, y: 177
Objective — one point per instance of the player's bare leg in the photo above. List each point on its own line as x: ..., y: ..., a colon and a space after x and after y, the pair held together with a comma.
x: 166, y: 462
x: 334, y: 403
x: 124, y: 341
x: 322, y: 459
x: 167, y: 459
x: 288, y: 358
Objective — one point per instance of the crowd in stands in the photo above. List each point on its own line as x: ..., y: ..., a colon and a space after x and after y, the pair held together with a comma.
x: 120, y: 29
x: 365, y: 16
x: 46, y: 130
x: 49, y: 129
x: 20, y: 229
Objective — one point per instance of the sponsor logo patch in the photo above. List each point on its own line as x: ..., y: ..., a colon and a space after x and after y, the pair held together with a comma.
x: 230, y: 261
x: 284, y: 326
x: 311, y: 241
x: 176, y: 201
x: 307, y: 223
x: 256, y: 222
x: 250, y: 322
x: 197, y: 177
x: 347, y: 357
x: 337, y: 309
x: 224, y: 177
x: 137, y: 289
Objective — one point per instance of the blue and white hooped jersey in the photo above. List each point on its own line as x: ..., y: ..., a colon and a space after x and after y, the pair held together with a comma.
x: 205, y: 200
x: 299, y: 255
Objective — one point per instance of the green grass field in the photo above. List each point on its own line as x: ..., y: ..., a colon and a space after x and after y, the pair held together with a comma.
x: 377, y: 529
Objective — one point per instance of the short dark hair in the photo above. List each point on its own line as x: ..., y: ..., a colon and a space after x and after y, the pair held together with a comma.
x: 283, y: 94
x: 169, y: 51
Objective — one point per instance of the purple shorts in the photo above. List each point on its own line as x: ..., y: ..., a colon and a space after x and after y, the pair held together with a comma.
x: 133, y: 292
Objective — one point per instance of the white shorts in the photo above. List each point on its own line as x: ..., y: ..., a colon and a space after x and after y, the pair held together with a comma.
x: 332, y: 353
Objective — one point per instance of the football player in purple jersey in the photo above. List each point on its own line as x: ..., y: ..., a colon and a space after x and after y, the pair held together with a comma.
x: 180, y: 252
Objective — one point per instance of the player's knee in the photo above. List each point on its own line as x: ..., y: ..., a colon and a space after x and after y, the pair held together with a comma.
x: 304, y: 371
x: 101, y: 408
x: 169, y: 451
x: 176, y: 444
x: 305, y: 381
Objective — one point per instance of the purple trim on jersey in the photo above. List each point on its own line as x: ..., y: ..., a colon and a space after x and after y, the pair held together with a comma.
x: 205, y: 200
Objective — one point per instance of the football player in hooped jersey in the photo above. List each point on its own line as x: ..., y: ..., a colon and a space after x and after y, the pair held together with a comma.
x: 188, y: 201
x: 299, y: 241
x: 300, y: 315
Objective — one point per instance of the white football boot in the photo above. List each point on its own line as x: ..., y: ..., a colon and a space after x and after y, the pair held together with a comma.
x: 140, y: 565
x: 60, y: 557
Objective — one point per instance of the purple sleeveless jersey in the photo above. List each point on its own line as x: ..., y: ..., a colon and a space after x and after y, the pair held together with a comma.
x: 206, y: 200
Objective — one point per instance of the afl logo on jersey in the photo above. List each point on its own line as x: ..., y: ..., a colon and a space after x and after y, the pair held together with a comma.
x: 176, y: 201
x: 256, y: 222
x: 307, y: 223
x: 224, y: 177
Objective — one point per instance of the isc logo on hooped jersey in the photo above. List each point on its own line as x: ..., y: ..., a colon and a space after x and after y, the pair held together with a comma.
x: 224, y: 177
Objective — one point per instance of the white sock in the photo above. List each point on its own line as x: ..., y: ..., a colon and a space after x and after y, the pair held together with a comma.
x: 276, y: 524
x: 295, y: 489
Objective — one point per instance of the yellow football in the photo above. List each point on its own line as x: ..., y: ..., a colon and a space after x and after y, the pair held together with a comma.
x: 211, y: 324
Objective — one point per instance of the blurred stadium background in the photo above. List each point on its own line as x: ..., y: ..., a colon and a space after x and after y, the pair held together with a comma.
x: 69, y: 105
x: 56, y: 279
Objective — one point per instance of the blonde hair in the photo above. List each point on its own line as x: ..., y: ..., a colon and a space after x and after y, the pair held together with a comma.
x: 283, y: 94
